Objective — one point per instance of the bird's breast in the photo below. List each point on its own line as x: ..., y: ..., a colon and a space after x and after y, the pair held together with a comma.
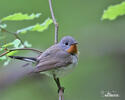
x: 59, y: 72
x: 66, y: 69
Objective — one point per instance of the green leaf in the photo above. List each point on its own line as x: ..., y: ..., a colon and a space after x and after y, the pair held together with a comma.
x: 20, y: 17
x: 12, y: 53
x: 27, y: 44
x: 37, y: 27
x: 1, y: 49
x: 24, y: 30
x: 16, y: 43
x: 7, y: 45
x: 43, y: 26
x: 3, y: 58
x: 114, y: 11
x: 3, y: 25
x: 7, y: 62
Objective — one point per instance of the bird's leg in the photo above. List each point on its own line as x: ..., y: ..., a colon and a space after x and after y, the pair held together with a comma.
x: 58, y: 84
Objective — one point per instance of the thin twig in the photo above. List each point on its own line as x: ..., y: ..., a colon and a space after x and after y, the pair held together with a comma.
x: 15, y: 34
x: 61, y: 89
x: 4, y: 53
x: 19, y: 39
x: 61, y: 97
x: 32, y: 49
x: 54, y: 21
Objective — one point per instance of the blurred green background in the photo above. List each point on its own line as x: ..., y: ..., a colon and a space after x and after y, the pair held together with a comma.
x: 101, y: 45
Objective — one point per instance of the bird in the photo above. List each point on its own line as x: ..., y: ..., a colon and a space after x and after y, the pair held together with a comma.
x: 57, y: 60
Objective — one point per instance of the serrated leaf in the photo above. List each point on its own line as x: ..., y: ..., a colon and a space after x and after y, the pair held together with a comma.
x: 27, y: 44
x: 3, y: 25
x: 12, y: 53
x: 1, y: 49
x: 43, y: 26
x: 20, y: 17
x: 114, y: 11
x: 24, y: 30
x: 16, y: 43
x: 7, y: 62
x: 3, y: 58
x: 7, y: 45
x: 37, y: 27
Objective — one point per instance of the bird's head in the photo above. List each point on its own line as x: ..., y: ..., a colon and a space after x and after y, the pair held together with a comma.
x: 69, y: 44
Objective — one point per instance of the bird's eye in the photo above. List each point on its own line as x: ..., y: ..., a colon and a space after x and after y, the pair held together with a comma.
x: 66, y: 43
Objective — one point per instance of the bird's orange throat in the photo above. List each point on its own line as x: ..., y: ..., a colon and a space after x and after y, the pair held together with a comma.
x: 73, y: 49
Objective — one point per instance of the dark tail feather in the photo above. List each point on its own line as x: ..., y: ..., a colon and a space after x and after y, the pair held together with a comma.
x: 28, y: 59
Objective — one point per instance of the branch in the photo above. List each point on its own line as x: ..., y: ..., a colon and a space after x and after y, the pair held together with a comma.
x: 61, y: 97
x: 32, y: 49
x: 17, y: 37
x: 61, y: 89
x: 13, y: 33
x: 54, y: 21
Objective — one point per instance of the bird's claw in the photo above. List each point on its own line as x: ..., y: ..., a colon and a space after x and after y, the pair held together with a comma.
x: 61, y: 89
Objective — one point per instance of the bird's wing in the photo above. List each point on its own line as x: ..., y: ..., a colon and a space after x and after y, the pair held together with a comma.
x: 53, y: 58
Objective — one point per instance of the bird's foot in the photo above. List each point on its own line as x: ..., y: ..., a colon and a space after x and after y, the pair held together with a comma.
x: 61, y: 89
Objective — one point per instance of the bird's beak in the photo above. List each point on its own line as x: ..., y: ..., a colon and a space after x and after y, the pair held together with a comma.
x: 75, y: 43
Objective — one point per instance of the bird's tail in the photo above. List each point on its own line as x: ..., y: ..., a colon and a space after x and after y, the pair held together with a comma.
x: 28, y: 59
x: 12, y: 74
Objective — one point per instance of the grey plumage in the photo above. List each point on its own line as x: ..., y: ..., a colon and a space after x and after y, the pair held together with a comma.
x: 54, y: 58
